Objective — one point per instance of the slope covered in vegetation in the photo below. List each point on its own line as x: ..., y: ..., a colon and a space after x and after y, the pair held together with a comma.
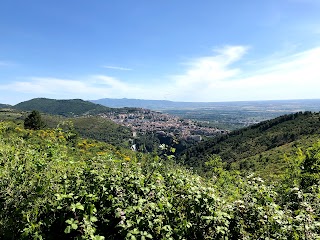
x: 4, y: 105
x: 272, y: 163
x: 254, y: 140
x: 70, y: 107
x: 11, y: 114
x: 93, y: 127
x: 56, y: 186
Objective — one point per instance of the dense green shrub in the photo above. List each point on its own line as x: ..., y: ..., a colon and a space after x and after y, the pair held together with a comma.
x: 54, y: 188
x: 33, y: 121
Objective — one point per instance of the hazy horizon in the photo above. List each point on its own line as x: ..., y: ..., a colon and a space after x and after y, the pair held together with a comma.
x: 270, y: 100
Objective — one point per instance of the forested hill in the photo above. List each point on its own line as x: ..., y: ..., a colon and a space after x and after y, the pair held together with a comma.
x: 4, y: 105
x: 255, y: 139
x: 70, y: 107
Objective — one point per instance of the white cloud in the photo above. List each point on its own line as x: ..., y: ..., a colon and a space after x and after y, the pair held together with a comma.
x: 93, y: 87
x: 207, y: 70
x: 214, y: 78
x: 117, y: 68
x: 111, y: 82
x: 63, y: 87
x: 223, y: 76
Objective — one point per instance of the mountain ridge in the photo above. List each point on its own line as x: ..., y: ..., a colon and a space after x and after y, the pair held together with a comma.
x: 61, y: 107
x: 2, y: 105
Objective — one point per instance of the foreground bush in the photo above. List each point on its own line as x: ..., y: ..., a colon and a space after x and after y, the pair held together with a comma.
x: 53, y: 188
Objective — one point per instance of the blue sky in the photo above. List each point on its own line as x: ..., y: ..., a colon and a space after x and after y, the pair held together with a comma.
x: 177, y: 50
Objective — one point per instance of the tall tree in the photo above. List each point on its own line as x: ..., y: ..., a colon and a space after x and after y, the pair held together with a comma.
x: 34, y: 121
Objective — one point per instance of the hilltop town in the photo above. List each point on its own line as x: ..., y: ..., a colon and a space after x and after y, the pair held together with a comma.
x: 144, y: 120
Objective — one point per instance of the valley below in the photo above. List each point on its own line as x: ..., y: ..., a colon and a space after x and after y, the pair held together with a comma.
x: 223, y: 115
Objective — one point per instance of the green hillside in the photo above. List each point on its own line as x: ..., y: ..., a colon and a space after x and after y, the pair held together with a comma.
x: 272, y: 164
x: 94, y: 127
x: 70, y: 107
x: 253, y: 141
x: 11, y: 114
x: 56, y: 187
x: 4, y: 105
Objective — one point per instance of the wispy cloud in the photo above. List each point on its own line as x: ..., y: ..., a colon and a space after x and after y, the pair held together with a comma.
x: 95, y: 86
x: 215, y: 79
x: 206, y: 70
x: 117, y: 68
x: 222, y: 76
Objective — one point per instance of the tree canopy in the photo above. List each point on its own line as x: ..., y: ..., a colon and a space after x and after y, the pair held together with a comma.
x: 33, y: 121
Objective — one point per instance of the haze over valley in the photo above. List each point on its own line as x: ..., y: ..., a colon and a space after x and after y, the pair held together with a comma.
x: 227, y: 115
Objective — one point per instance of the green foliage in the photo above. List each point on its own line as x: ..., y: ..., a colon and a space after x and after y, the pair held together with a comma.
x: 254, y: 140
x: 273, y: 163
x: 148, y: 142
x: 9, y: 114
x: 215, y: 165
x: 4, y: 105
x: 70, y: 107
x: 95, y: 128
x: 54, y: 188
x: 33, y: 121
x: 311, y: 167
